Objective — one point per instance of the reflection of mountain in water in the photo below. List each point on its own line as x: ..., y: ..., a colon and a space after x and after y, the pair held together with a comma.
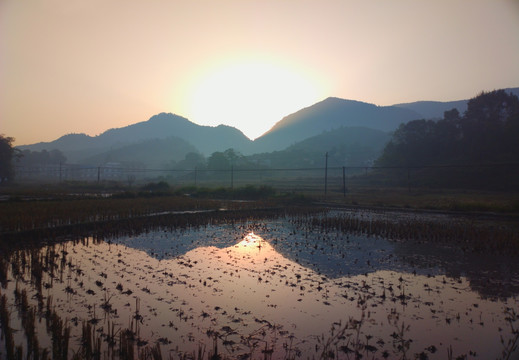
x: 328, y: 256
x: 166, y: 244
x: 492, y: 276
x: 335, y: 254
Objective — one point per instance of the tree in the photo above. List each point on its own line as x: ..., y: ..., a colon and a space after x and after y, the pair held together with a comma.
x: 237, y: 160
x: 7, y: 153
x: 232, y: 155
x: 448, y: 137
x: 488, y: 127
x: 44, y: 157
x: 57, y: 157
x: 191, y: 161
x: 412, y: 144
x: 225, y: 160
x: 218, y: 161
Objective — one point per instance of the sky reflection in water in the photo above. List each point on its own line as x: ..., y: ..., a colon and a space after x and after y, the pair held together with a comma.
x: 284, y: 289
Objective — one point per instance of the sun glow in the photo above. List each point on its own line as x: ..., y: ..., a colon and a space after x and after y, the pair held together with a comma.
x: 251, y: 96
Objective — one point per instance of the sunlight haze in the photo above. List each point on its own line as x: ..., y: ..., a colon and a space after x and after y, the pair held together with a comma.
x: 247, y: 94
x: 88, y: 66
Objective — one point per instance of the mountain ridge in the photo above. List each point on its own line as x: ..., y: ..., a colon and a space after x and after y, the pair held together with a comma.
x: 329, y: 114
x: 323, y: 116
x: 206, y: 139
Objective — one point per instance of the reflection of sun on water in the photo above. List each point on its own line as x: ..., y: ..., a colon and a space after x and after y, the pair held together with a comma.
x: 250, y: 243
x: 252, y: 253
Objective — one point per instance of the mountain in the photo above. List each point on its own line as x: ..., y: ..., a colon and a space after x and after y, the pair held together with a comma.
x: 206, y: 139
x: 82, y: 148
x: 435, y: 109
x: 346, y: 146
x: 154, y: 153
x: 331, y: 113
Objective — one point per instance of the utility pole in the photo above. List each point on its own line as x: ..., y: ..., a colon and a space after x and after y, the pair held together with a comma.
x: 195, y: 176
x: 326, y: 175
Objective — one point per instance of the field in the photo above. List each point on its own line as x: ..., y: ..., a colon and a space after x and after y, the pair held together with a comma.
x: 93, y: 276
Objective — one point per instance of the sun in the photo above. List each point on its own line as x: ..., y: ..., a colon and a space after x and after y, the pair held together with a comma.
x: 250, y: 95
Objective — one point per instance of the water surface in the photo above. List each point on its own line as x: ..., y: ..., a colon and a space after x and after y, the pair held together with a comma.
x: 272, y: 288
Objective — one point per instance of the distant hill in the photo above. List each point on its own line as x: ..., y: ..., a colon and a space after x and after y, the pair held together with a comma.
x: 346, y: 146
x: 435, y: 109
x: 333, y: 113
x: 206, y: 139
x: 154, y: 153
x: 329, y: 114
x: 82, y: 148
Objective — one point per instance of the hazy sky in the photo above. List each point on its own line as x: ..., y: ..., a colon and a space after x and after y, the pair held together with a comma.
x: 70, y: 66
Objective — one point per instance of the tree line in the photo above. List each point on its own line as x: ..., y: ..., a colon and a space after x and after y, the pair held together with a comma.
x: 488, y: 132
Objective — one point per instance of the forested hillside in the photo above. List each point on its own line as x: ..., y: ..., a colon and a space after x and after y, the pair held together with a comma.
x: 479, y: 141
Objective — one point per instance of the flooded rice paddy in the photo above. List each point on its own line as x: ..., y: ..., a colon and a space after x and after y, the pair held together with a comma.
x: 258, y: 289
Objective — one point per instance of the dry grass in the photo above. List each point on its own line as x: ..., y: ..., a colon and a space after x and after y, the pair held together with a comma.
x: 431, y: 199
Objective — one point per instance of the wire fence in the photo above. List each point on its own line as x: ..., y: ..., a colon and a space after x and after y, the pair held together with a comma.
x: 333, y: 179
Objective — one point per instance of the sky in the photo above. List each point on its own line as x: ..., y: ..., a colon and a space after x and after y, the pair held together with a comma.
x: 85, y: 66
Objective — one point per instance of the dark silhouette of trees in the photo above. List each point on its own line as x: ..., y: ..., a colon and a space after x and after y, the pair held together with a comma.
x: 487, y: 132
x: 44, y: 157
x: 191, y: 161
x: 489, y: 127
x: 227, y: 159
x: 412, y: 144
x: 218, y: 161
x: 7, y: 154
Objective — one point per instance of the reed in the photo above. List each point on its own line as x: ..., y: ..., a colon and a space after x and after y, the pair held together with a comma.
x: 4, y: 268
x: 511, y: 344
x: 151, y: 353
x: 60, y: 336
x: 467, y: 234
x: 90, y: 342
x: 126, y: 344
x: 124, y: 226
x: 28, y: 317
x: 6, y: 329
x: 37, y: 214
